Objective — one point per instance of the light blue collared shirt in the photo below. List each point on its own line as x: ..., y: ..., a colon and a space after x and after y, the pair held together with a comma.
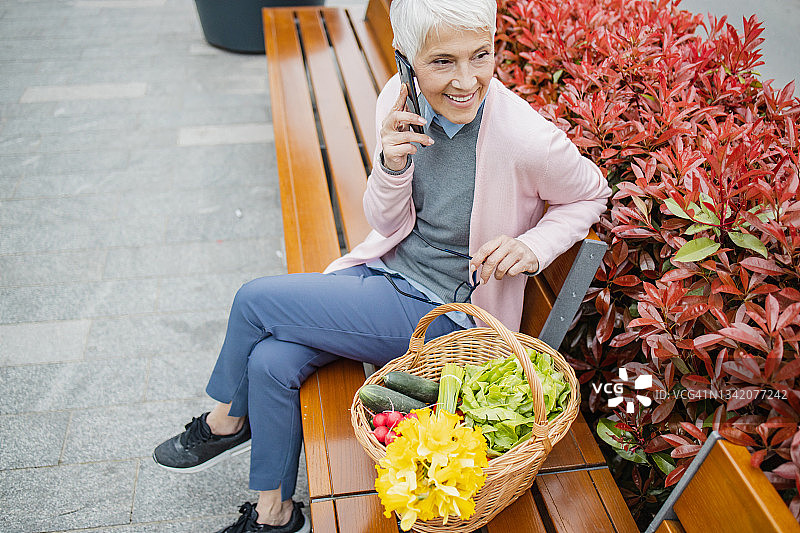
x: 431, y: 116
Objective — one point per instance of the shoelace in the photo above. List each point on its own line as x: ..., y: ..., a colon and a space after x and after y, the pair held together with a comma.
x: 241, y: 525
x: 196, y: 433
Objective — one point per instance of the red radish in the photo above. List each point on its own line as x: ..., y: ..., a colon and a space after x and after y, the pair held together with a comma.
x: 412, y: 415
x: 390, y: 437
x: 393, y: 418
x: 380, y: 433
x: 379, y: 420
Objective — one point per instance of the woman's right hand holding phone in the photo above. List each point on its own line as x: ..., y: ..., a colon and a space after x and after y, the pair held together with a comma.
x: 396, y: 134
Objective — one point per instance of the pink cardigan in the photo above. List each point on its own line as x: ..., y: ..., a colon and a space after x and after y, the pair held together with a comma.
x: 523, y: 161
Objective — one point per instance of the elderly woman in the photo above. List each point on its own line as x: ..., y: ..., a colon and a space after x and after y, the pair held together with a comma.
x: 475, y: 183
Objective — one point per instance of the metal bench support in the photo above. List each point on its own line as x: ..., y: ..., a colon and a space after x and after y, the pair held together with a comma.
x: 572, y: 292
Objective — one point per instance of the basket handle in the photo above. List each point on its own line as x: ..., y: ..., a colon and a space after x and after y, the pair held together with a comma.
x: 418, y: 341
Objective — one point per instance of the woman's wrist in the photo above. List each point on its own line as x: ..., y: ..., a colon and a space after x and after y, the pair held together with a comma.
x: 396, y: 172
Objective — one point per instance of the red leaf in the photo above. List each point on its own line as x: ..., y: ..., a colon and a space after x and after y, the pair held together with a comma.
x: 790, y: 315
x: 742, y: 397
x: 694, y: 431
x: 710, y: 339
x: 685, y: 451
x: 746, y: 334
x: 762, y: 266
x: 796, y: 449
x: 786, y: 471
x: 623, y: 339
x: 675, y: 475
x: 627, y: 281
x: 774, y: 357
x: 773, y: 311
x: 603, y: 301
x: 788, y: 371
x: 737, y: 436
x: 605, y: 328
x: 663, y: 411
x: 676, y: 440
x: 757, y: 458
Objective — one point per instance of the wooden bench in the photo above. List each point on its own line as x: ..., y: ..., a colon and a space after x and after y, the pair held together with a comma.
x: 721, y: 491
x: 326, y: 68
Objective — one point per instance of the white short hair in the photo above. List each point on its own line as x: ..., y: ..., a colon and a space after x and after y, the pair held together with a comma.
x: 413, y: 20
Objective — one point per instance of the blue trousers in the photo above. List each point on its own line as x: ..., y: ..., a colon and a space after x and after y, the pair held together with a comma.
x: 282, y: 328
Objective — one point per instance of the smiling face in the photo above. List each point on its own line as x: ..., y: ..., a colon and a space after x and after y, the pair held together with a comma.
x: 453, y: 71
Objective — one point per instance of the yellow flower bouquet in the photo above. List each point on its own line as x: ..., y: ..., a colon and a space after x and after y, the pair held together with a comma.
x: 433, y: 469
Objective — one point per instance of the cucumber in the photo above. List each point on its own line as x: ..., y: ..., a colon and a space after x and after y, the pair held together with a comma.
x: 424, y: 390
x: 379, y: 399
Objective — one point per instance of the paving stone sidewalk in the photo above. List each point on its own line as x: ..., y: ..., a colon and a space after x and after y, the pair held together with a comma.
x: 138, y: 191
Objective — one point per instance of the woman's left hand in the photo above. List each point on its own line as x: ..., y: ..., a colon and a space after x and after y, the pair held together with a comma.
x: 503, y: 255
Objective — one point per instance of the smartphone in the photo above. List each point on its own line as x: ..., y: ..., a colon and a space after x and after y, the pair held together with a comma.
x: 407, y: 77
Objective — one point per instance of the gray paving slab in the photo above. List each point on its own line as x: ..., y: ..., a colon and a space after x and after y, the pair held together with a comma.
x: 59, y: 210
x: 51, y: 268
x: 77, y: 300
x: 253, y: 255
x: 60, y: 122
x: 200, y: 201
x: 127, y: 431
x: 80, y: 235
x: 68, y: 496
x: 201, y: 525
x: 201, y: 293
x: 218, y: 490
x: 32, y: 440
x: 177, y: 117
x: 113, y: 140
x: 8, y: 185
x: 137, y: 336
x: 231, y: 224
x: 54, y: 185
x: 68, y: 163
x: 60, y: 386
x: 43, y: 342
x: 182, y: 375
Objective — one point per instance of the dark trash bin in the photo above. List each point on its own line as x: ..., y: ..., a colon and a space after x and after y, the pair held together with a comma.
x: 236, y: 25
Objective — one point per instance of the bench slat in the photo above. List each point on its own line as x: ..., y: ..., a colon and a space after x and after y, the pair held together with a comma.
x: 363, y: 514
x: 378, y: 24
x: 574, y: 504
x: 323, y: 516
x: 586, y: 443
x: 727, y: 490
x: 380, y: 70
x: 344, y: 159
x: 315, y: 445
x: 670, y: 526
x: 356, y: 473
x: 574, y: 451
x: 615, y: 504
x: 356, y: 75
x: 307, y: 214
x: 534, y: 316
x: 519, y: 517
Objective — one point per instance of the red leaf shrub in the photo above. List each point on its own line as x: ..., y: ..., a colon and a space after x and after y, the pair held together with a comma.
x: 699, y: 287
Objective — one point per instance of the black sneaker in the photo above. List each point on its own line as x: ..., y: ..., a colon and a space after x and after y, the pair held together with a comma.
x: 247, y: 522
x: 197, y: 448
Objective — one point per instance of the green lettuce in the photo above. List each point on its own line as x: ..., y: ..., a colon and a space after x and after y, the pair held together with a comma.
x: 497, y: 397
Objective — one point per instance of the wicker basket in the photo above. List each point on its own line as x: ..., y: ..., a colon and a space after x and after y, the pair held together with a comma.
x: 511, y: 474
